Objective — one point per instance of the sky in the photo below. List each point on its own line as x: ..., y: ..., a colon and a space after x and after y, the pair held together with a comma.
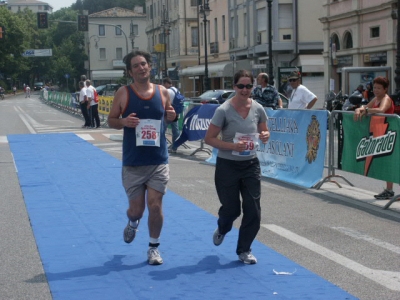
x: 58, y: 4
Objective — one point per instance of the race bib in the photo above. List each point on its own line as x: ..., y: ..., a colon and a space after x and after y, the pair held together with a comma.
x: 148, y: 133
x: 251, y: 142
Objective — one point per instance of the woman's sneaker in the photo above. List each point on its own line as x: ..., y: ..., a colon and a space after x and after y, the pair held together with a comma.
x: 248, y: 258
x: 218, y: 238
x: 385, y: 195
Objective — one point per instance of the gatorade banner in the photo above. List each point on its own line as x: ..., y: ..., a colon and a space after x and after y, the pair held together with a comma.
x: 371, y: 147
x: 195, y: 123
x: 295, y: 152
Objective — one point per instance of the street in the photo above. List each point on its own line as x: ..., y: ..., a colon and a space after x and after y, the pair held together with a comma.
x: 353, y: 244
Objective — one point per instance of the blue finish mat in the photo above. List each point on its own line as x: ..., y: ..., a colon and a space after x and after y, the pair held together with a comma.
x: 77, y: 208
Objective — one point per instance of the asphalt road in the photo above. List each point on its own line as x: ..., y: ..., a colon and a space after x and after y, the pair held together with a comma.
x: 340, y: 234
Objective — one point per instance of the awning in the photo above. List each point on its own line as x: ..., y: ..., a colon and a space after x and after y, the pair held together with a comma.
x: 311, y: 63
x: 221, y: 69
x: 107, y: 74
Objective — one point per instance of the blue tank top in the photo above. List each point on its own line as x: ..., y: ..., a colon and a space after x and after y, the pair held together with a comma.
x: 151, y: 108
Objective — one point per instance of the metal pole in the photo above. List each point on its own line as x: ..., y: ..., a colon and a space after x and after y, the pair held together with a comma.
x: 397, y: 71
x: 270, y: 67
x: 206, y: 79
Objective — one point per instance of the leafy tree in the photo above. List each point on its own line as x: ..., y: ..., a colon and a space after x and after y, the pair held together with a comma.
x: 99, y: 5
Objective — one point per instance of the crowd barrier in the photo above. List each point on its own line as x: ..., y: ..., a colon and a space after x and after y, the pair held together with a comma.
x: 368, y: 147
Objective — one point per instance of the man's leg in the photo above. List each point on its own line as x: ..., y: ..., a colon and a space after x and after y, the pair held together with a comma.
x: 175, y: 134
x: 156, y: 217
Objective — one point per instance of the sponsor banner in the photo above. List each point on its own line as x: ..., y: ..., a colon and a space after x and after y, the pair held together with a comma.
x: 195, y: 123
x: 295, y: 152
x: 371, y: 147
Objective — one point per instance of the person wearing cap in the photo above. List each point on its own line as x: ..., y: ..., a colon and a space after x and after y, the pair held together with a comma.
x: 266, y: 94
x: 301, y: 97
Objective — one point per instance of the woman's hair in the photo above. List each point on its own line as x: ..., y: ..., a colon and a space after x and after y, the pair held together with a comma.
x: 382, y: 81
x: 242, y: 73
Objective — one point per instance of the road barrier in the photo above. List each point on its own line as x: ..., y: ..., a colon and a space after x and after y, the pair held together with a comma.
x: 368, y: 147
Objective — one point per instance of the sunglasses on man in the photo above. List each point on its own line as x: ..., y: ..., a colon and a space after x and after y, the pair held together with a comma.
x: 293, y: 80
x: 242, y: 86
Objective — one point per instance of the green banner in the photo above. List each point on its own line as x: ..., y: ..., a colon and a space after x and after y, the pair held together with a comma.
x: 371, y: 147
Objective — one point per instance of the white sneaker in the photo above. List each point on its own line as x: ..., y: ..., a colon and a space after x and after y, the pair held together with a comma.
x: 153, y: 256
x: 248, y: 258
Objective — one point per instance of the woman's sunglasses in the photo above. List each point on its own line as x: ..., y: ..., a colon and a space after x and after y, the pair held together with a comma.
x: 242, y: 86
x: 292, y: 80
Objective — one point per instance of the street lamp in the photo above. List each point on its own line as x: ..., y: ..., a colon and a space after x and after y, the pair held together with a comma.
x: 166, y: 30
x: 95, y: 39
x: 205, y: 10
x: 132, y: 34
x: 395, y: 16
x: 270, y: 67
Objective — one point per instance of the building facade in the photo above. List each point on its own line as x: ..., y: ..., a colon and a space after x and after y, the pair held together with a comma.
x: 34, y: 5
x: 358, y: 33
x: 112, y: 34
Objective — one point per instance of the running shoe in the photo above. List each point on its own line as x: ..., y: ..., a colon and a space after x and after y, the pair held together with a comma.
x: 247, y: 258
x: 130, y: 232
x: 154, y: 257
x: 385, y: 195
x: 218, y: 238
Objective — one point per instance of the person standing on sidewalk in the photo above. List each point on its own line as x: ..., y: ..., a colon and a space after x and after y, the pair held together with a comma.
x: 381, y: 104
x: 266, y: 94
x: 301, y: 97
x: 93, y: 105
x: 83, y: 103
x: 142, y: 110
x: 167, y: 83
x: 241, y: 122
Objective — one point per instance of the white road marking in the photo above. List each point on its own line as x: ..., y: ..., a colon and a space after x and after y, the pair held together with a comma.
x: 3, y: 139
x: 358, y: 235
x: 22, y: 115
x: 388, y: 279
x: 86, y: 137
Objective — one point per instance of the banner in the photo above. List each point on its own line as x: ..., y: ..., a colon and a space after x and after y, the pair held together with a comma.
x: 195, y: 123
x: 295, y: 152
x: 371, y: 147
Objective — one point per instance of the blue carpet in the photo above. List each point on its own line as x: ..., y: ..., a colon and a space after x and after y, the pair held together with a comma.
x: 76, y: 205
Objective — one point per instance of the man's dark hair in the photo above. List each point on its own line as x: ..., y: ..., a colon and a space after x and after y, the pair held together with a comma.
x: 127, y: 59
x: 265, y: 77
x: 167, y: 80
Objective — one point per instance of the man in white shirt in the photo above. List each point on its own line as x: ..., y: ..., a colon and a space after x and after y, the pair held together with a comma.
x: 301, y: 97
x: 83, y: 104
x: 93, y: 106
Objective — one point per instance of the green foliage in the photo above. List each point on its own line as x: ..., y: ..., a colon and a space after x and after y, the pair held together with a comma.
x: 99, y: 5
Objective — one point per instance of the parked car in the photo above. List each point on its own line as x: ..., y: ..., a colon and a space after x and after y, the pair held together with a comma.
x: 212, y: 96
x: 37, y: 86
x: 285, y: 100
x: 100, y: 89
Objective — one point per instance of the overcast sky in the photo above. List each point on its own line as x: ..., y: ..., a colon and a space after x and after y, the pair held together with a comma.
x: 57, y: 4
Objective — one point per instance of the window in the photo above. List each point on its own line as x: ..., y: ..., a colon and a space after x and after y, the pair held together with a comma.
x: 118, y: 53
x: 195, y: 2
x: 135, y: 29
x: 118, y: 30
x: 285, y: 16
x: 102, y: 53
x: 102, y: 30
x: 374, y: 32
x: 261, y: 19
x: 195, y: 36
x: 216, y: 30
x: 223, y: 28
x: 287, y: 37
x: 347, y: 41
x: 245, y: 24
x: 335, y: 40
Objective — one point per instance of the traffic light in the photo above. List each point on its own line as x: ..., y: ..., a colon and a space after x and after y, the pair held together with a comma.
x: 83, y: 23
x: 42, y: 21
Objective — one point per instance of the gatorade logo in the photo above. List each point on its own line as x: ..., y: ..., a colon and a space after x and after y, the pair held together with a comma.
x: 374, y: 146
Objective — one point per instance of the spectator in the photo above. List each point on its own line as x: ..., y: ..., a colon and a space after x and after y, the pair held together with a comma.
x: 266, y: 94
x: 382, y: 104
x: 14, y: 90
x: 237, y: 170
x: 301, y: 97
x: 83, y: 102
x: 368, y: 93
x: 143, y: 106
x: 92, y: 105
x: 167, y: 83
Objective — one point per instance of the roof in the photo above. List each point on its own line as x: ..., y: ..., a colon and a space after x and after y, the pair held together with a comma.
x: 116, y: 12
x: 27, y: 2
